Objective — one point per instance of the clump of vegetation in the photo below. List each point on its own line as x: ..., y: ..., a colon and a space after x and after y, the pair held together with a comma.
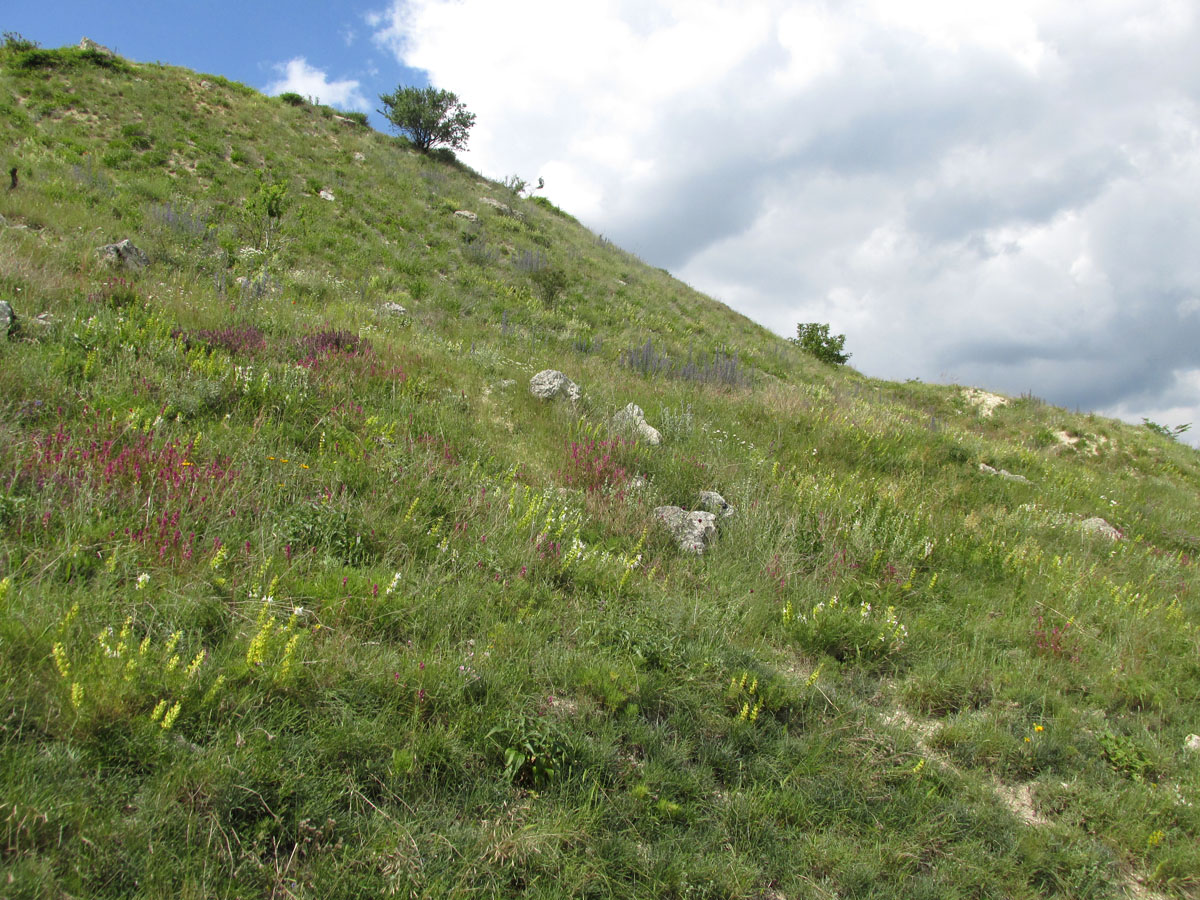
x: 720, y: 368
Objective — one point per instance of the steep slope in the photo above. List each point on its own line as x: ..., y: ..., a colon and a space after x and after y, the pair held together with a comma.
x: 305, y: 595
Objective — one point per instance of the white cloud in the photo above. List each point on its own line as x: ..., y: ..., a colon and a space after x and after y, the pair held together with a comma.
x: 994, y: 193
x: 307, y: 81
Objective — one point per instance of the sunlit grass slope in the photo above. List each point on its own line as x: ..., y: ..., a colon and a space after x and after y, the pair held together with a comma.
x: 307, y: 596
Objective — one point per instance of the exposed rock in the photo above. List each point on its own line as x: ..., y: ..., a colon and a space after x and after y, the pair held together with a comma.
x: 497, y: 205
x: 715, y: 503
x: 326, y: 194
x: 359, y: 157
x: 550, y: 383
x: 691, y: 530
x: 1099, y: 526
x: 985, y: 401
x: 632, y: 418
x: 88, y: 44
x: 637, y: 483
x: 8, y: 319
x: 466, y: 214
x: 1191, y: 743
x: 1003, y: 473
x: 124, y: 253
x: 393, y: 309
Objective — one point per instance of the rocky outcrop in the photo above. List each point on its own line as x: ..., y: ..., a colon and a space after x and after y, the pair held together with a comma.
x: 123, y: 253
x: 985, y: 401
x: 632, y: 419
x: 87, y: 43
x: 391, y: 308
x: 692, y: 529
x: 502, y: 208
x: 466, y: 214
x: 549, y: 384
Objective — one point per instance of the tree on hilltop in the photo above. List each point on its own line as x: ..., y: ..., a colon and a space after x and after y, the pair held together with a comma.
x: 428, y: 116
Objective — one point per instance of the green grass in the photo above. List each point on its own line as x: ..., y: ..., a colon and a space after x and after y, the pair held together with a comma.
x: 301, y: 598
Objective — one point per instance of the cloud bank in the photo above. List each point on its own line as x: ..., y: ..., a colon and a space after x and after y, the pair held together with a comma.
x: 995, y: 194
x: 307, y: 81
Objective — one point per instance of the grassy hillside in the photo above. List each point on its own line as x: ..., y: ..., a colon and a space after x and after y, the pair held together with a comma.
x: 304, y: 596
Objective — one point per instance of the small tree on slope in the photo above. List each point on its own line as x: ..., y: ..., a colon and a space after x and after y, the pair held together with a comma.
x: 428, y: 116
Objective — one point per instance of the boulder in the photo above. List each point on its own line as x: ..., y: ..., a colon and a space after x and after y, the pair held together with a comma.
x: 715, y: 503
x: 466, y: 214
x: 692, y: 530
x: 551, y: 383
x: 632, y: 419
x: 123, y: 253
x: 8, y: 319
x: 1100, y: 527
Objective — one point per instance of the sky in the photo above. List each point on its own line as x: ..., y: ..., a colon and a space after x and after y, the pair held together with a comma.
x: 1003, y: 194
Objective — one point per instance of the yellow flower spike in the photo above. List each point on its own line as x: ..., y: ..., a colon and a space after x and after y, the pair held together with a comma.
x: 76, y: 695
x: 194, y: 665
x: 159, y: 709
x: 171, y: 715
x: 60, y: 659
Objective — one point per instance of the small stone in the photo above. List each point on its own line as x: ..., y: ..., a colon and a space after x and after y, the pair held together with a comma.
x: 550, y: 383
x: 632, y: 418
x: 715, y: 503
x: 326, y: 194
x: 692, y: 529
x: 1100, y: 527
x: 124, y: 253
x: 1003, y: 473
x: 466, y: 214
x: 1191, y: 743
x: 8, y: 319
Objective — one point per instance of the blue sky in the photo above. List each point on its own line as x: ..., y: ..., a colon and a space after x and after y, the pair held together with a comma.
x: 999, y: 193
x: 250, y: 42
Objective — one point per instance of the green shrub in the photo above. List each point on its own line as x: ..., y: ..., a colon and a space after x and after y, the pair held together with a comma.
x: 814, y: 338
x: 291, y: 98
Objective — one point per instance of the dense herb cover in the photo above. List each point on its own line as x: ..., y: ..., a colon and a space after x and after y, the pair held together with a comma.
x: 302, y: 594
